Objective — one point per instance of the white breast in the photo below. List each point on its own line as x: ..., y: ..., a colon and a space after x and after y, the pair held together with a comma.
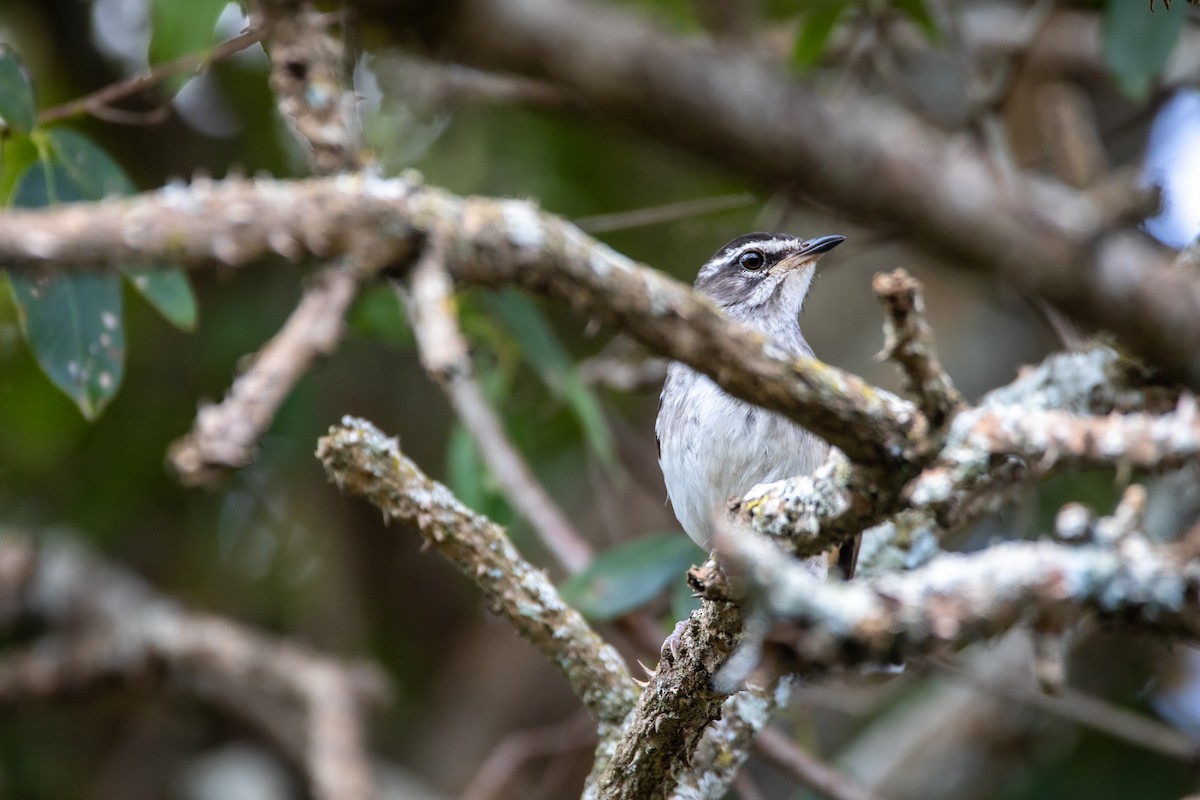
x: 703, y: 438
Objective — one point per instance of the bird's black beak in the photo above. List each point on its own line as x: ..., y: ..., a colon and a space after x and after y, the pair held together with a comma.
x: 808, y: 253
x: 823, y: 244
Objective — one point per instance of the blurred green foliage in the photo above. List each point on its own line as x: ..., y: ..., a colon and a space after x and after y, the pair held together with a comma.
x: 1138, y: 40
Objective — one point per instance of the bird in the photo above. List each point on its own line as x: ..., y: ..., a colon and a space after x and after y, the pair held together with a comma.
x: 713, y: 447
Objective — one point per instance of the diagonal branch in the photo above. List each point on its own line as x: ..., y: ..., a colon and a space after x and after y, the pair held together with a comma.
x: 224, y: 436
x: 361, y: 460
x: 858, y: 155
x: 98, y: 102
x: 443, y: 352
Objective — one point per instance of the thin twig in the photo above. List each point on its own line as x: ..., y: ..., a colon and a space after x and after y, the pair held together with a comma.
x: 519, y: 747
x: 808, y: 770
x: 655, y: 215
x: 1092, y: 712
x: 97, y: 102
x: 224, y: 436
x: 443, y: 352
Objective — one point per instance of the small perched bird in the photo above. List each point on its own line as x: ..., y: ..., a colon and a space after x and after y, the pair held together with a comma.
x: 712, y: 446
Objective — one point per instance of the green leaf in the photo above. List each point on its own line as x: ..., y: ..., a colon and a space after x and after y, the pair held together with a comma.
x: 683, y: 600
x: 182, y: 28
x: 97, y: 175
x: 18, y: 112
x: 168, y: 291
x: 819, y: 22
x: 465, y: 468
x: 73, y: 322
x: 551, y: 361
x: 17, y: 154
x: 91, y: 169
x: 629, y: 575
x: 1138, y: 41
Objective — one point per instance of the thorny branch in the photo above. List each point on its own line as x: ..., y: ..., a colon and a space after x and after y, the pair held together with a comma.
x: 674, y: 709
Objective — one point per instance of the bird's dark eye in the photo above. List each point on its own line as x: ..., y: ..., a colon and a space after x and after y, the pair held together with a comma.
x: 752, y: 260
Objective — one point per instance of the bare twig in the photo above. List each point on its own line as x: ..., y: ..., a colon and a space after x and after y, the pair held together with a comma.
x: 361, y: 460
x: 1092, y: 712
x: 97, y: 103
x: 433, y: 86
x: 624, y: 368
x: 908, y: 341
x: 810, y: 771
x: 519, y: 747
x: 443, y: 351
x: 109, y: 625
x: 224, y: 436
x: 623, y: 220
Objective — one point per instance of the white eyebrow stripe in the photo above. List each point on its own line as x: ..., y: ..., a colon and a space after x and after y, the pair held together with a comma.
x: 771, y: 247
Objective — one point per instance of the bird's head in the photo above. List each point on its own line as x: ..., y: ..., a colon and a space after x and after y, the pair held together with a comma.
x: 762, y: 277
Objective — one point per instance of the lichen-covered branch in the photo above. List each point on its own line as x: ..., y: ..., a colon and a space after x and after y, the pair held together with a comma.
x: 993, y: 447
x: 728, y: 743
x: 959, y: 598
x: 813, y: 513
x: 489, y: 242
x: 673, y: 711
x: 362, y: 461
x: 108, y: 625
